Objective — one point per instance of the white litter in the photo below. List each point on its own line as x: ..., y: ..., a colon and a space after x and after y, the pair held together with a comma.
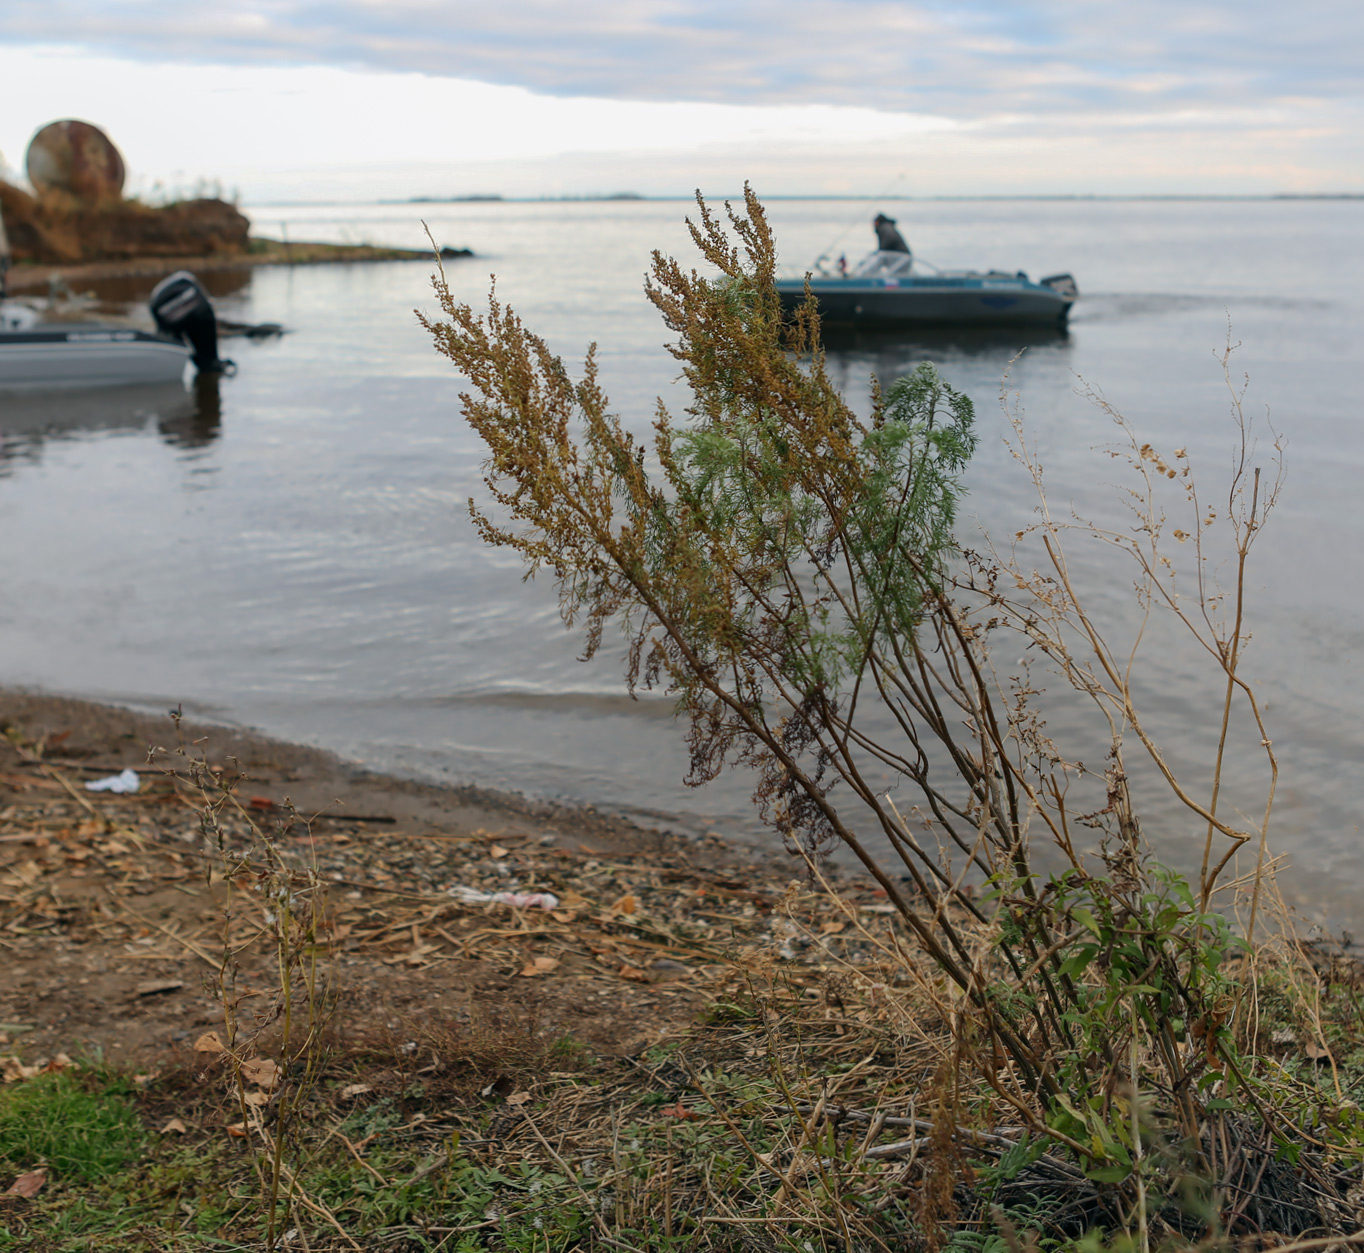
x: 122, y: 783
x: 518, y: 900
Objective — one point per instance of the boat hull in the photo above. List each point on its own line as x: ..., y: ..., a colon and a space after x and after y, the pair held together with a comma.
x: 88, y: 356
x: 929, y: 301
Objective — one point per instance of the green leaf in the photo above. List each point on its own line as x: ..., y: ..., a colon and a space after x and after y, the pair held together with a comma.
x: 1086, y: 920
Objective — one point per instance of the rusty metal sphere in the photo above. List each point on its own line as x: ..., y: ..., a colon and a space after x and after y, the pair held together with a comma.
x: 77, y: 158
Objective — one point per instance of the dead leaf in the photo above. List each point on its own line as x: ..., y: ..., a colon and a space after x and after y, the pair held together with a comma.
x: 12, y: 1070
x: 497, y: 852
x: 60, y: 1062
x: 153, y: 987
x: 634, y: 973
x: 257, y: 1098
x: 237, y: 1129
x: 29, y: 1184
x: 679, y: 1111
x: 355, y: 1089
x: 173, y: 1125
x: 831, y: 928
x: 540, y: 966
x: 262, y: 1071
x: 572, y: 899
x: 563, y: 915
x: 518, y: 1098
x: 1315, y: 1053
x: 209, y: 1043
x: 626, y: 905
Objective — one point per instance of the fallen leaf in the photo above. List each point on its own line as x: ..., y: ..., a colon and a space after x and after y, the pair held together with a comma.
x: 173, y: 1125
x: 634, y: 973
x: 257, y: 1098
x: 1315, y: 1053
x: 262, y: 1071
x: 831, y: 928
x: 572, y: 899
x: 626, y: 905
x: 260, y: 802
x: 61, y: 1062
x: 355, y: 1089
x: 29, y: 1184
x: 237, y: 1129
x: 518, y: 1098
x: 679, y: 1111
x: 540, y: 966
x: 497, y: 852
x: 209, y: 1043
x: 12, y: 1070
x: 563, y: 915
x: 155, y: 986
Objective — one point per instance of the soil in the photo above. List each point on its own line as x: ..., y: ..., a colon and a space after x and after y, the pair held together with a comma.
x: 115, y: 910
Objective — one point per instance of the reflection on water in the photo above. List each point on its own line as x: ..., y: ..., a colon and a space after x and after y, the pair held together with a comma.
x: 185, y: 417
x: 854, y: 357
x: 201, y: 421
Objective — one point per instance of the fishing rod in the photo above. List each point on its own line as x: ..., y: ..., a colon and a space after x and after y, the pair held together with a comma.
x: 861, y: 216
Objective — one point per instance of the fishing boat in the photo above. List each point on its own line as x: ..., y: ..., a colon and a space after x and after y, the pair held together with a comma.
x: 886, y: 289
x: 35, y: 353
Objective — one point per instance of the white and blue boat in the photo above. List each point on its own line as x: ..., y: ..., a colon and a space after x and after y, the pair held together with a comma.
x: 885, y: 289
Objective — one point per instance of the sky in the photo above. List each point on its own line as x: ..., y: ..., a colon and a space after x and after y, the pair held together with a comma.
x: 299, y: 100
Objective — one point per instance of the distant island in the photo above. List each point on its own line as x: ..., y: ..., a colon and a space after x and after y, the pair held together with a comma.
x: 445, y: 200
x: 487, y: 199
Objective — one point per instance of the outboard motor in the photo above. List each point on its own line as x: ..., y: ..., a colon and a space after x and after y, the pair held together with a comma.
x: 182, y: 310
x: 1063, y: 285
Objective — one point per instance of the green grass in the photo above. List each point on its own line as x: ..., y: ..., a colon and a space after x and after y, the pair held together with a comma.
x: 80, y: 1127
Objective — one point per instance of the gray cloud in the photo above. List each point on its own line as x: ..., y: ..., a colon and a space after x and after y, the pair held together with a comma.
x: 966, y: 59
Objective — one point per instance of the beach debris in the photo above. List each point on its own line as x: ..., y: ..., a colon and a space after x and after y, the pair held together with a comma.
x: 262, y: 1071
x: 540, y: 966
x: 124, y: 784
x: 28, y: 1184
x: 518, y: 900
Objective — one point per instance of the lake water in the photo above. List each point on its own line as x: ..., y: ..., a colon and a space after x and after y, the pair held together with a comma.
x: 290, y: 548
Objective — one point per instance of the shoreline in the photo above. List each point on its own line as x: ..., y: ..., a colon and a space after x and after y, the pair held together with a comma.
x: 112, y: 737
x: 30, y: 277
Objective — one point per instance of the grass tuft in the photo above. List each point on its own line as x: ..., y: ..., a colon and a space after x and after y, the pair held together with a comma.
x: 82, y: 1127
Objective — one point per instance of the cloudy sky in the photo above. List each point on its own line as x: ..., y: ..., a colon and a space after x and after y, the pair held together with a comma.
x: 380, y: 98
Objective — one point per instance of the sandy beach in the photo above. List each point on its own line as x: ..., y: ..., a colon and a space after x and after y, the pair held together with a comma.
x: 112, y: 917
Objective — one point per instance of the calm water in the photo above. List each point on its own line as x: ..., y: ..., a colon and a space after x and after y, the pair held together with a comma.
x: 291, y: 550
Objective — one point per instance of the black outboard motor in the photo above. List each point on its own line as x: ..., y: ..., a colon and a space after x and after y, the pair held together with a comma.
x: 182, y: 310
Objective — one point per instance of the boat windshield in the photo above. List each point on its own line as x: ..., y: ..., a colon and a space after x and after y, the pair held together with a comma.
x: 883, y: 265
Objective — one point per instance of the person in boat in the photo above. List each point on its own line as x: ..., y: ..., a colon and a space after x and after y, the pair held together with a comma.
x: 888, y: 238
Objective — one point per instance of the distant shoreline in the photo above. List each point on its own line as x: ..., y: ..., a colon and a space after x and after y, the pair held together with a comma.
x: 898, y: 197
